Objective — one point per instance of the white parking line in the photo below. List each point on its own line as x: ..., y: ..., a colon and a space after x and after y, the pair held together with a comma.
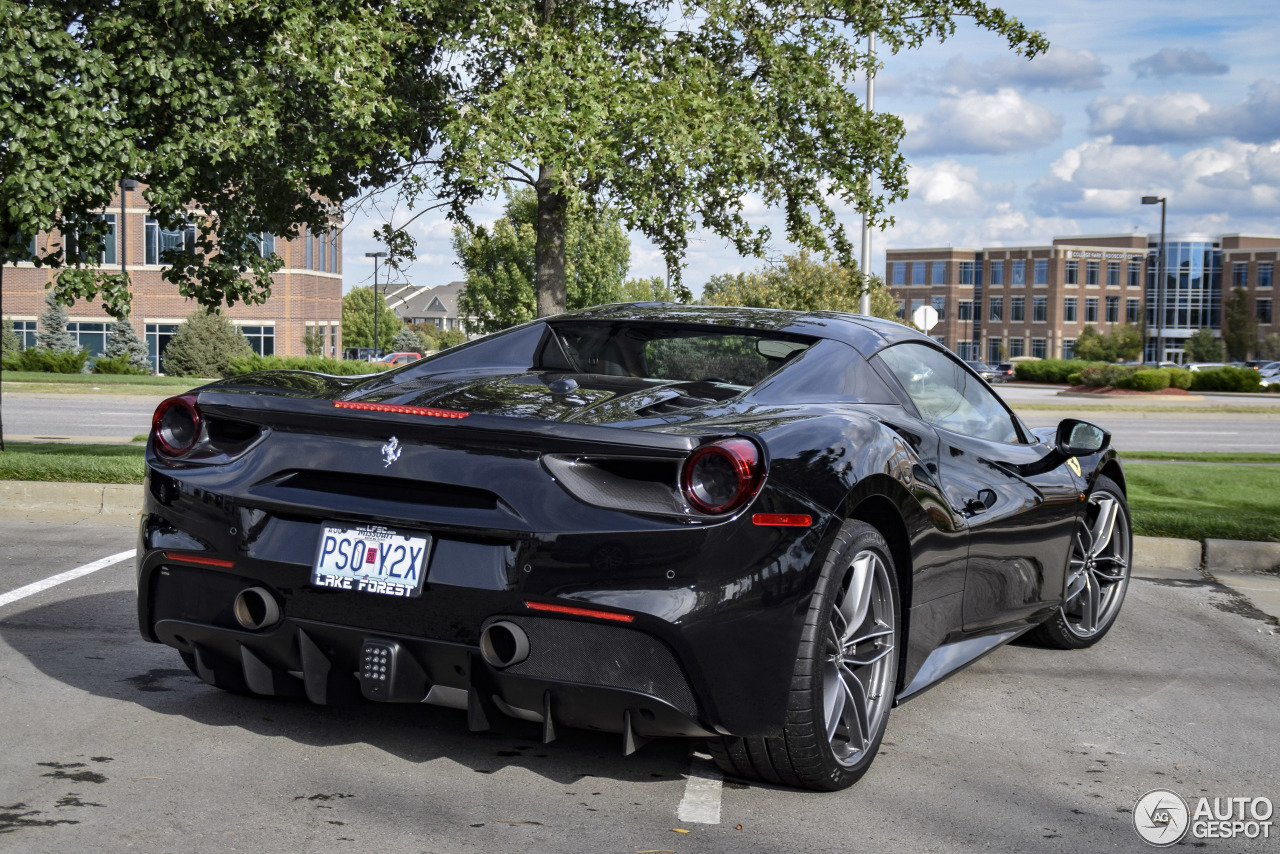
x: 61, y: 577
x: 701, y: 801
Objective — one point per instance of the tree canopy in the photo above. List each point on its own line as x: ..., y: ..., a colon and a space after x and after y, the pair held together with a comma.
x: 1239, y: 325
x: 264, y: 115
x: 357, y: 319
x: 1120, y: 344
x: 802, y: 283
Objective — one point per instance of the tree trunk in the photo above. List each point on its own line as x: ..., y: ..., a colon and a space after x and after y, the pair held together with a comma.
x: 548, y: 253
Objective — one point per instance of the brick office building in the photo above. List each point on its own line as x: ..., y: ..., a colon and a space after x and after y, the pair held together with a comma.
x: 306, y: 292
x: 1004, y: 302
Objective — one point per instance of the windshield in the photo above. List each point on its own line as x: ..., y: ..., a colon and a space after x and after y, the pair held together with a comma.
x: 669, y: 353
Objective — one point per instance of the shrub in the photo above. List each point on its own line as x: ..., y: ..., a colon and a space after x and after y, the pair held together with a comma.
x: 121, y: 364
x: 316, y: 364
x: 204, y: 346
x: 1179, y: 378
x: 1075, y: 379
x: 1152, y: 379
x: 48, y: 361
x: 1226, y: 379
x: 407, y: 341
x: 1048, y: 370
x: 1099, y: 374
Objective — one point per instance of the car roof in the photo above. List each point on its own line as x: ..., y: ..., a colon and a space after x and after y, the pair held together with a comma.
x: 865, y: 334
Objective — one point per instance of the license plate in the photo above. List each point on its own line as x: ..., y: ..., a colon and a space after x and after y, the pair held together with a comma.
x: 370, y: 559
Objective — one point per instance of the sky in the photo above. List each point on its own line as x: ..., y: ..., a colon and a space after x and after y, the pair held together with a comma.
x: 1171, y: 98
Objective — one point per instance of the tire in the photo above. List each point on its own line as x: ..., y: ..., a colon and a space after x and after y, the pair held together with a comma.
x: 841, y: 692
x: 1097, y: 573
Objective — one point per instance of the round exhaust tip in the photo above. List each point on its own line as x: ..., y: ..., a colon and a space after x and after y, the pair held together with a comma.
x: 256, y: 609
x: 503, y: 644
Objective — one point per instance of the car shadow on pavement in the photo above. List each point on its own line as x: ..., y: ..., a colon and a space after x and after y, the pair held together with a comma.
x: 92, y: 644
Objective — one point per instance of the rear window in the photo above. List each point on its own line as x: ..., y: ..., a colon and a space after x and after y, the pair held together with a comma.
x: 669, y: 353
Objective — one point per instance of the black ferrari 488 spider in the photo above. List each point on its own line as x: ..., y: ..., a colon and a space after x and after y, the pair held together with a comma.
x: 760, y: 528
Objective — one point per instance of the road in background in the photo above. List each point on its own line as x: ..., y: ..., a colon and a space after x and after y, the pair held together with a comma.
x: 110, y: 743
x: 1196, y: 425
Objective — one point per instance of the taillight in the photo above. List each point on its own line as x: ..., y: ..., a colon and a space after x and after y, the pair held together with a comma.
x: 721, y: 477
x: 176, y: 425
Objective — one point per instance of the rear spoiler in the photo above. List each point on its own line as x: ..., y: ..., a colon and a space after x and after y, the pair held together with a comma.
x: 340, y: 417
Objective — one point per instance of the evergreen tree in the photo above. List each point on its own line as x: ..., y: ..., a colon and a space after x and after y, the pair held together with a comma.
x: 407, y: 341
x: 1202, y: 346
x: 8, y: 338
x: 124, y: 340
x: 1239, y: 325
x: 204, y: 346
x: 53, y: 334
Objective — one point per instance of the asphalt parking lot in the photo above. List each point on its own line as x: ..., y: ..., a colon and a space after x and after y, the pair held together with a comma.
x: 110, y: 744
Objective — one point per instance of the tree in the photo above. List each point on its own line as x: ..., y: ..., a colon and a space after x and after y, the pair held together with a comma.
x: 1239, y: 325
x: 204, y: 346
x: 1203, y: 346
x: 313, y: 341
x: 1120, y: 344
x: 406, y: 341
x: 9, y: 342
x: 52, y: 331
x: 500, y: 264
x: 123, y: 341
x: 801, y: 283
x: 652, y: 289
x: 1269, y: 348
x: 259, y: 115
x: 357, y: 319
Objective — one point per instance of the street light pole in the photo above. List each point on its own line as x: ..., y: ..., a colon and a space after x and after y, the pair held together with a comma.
x: 1162, y: 201
x: 375, y: 256
x: 864, y: 301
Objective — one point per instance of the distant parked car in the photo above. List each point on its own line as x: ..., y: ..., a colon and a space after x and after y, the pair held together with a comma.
x: 988, y: 373
x: 1206, y: 366
x: 402, y: 358
x: 1007, y: 369
x: 368, y: 354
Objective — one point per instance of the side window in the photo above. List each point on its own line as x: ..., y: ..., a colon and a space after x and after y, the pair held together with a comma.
x: 947, y: 395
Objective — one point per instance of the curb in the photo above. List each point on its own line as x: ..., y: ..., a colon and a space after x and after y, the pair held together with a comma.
x: 102, y: 503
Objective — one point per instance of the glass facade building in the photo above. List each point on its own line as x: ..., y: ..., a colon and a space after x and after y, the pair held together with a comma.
x: 1192, y: 298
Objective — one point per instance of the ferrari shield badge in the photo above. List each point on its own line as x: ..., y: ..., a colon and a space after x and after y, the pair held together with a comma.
x: 391, y: 452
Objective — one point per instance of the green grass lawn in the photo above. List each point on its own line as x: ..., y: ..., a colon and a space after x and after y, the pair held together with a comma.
x: 55, y: 461
x: 32, y: 381
x: 1195, y: 502
x: 1188, y: 456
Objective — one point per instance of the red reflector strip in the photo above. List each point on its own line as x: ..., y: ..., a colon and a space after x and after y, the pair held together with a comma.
x: 579, y: 612
x: 786, y: 520
x: 203, y: 561
x: 405, y: 410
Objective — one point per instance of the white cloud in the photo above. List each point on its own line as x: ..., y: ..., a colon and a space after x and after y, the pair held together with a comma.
x: 1169, y: 61
x: 945, y: 184
x: 1139, y: 119
x: 1057, y: 69
x: 981, y: 123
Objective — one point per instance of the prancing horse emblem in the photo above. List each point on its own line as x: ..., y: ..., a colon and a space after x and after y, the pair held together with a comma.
x: 390, y: 452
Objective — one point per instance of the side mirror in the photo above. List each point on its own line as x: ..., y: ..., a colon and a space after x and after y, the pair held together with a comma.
x: 1080, y: 438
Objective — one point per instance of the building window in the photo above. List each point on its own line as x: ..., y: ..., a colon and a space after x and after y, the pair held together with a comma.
x: 997, y: 272
x: 90, y: 336
x: 1264, y: 274
x: 161, y: 240
x: 997, y: 308
x: 938, y: 271
x: 266, y: 244
x: 306, y: 240
x: 917, y: 273
x: 1040, y: 309
x: 1069, y: 310
x: 26, y: 332
x: 1042, y: 271
x: 1113, y: 274
x: 1037, y: 348
x: 1020, y: 271
x: 1017, y: 309
x: 1091, y: 273
x: 965, y: 350
x: 1135, y: 273
x: 1091, y: 310
x: 1016, y: 346
x: 993, y: 351
x: 966, y: 272
x: 262, y: 339
x: 1073, y: 273
x: 1132, y: 311
x: 1113, y: 309
x: 158, y: 336
x: 1240, y: 275
x: 964, y: 309
x: 899, y: 273
x: 1264, y: 311
x: 940, y: 306
x: 1068, y: 348
x: 333, y: 341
